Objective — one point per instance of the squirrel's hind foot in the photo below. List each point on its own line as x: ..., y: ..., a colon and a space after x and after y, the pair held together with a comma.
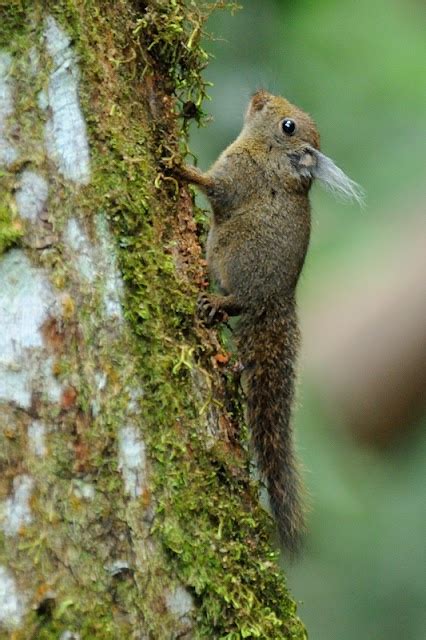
x: 213, y: 308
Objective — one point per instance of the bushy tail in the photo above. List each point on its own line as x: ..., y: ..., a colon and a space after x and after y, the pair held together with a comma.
x: 268, y: 345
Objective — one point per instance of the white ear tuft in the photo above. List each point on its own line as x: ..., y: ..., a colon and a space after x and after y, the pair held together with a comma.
x: 336, y: 180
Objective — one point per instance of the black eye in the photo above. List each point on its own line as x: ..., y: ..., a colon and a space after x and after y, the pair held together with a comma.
x: 288, y: 126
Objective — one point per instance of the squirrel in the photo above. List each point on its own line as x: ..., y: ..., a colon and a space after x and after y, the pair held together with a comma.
x: 258, y: 189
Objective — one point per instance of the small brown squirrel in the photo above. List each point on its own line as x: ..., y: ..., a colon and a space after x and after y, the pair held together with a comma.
x: 258, y: 189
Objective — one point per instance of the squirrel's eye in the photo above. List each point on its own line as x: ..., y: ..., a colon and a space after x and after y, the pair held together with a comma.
x: 288, y: 126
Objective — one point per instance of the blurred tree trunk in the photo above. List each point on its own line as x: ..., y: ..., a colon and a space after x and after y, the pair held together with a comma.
x: 371, y: 368
x: 126, y: 505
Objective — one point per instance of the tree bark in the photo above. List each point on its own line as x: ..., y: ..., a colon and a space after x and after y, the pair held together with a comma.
x: 126, y: 504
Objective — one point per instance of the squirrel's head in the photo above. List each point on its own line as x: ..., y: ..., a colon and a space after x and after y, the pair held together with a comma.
x: 279, y: 126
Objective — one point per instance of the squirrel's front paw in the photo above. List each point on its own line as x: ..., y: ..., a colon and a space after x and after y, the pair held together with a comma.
x: 209, y: 310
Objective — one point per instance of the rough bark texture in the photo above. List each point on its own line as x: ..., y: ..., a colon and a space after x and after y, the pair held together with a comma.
x: 126, y: 504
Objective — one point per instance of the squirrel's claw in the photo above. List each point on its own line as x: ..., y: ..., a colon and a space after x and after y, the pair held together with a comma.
x: 209, y: 311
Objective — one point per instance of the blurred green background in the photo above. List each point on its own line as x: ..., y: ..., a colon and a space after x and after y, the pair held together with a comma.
x: 359, y: 68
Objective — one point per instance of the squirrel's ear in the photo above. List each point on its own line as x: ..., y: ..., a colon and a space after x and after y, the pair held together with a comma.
x: 259, y: 100
x: 335, y: 179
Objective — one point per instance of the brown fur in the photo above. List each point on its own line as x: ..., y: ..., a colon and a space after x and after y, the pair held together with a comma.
x: 258, y: 189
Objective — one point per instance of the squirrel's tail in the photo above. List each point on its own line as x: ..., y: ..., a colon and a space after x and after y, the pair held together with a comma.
x: 268, y: 345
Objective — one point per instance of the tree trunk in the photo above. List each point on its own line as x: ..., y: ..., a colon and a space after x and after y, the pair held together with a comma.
x: 126, y: 504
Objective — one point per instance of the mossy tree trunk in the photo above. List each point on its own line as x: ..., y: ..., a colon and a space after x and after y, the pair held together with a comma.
x: 126, y: 505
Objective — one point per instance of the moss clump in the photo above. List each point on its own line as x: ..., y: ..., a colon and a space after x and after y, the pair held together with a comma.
x: 10, y: 228
x: 13, y: 19
x: 170, y: 33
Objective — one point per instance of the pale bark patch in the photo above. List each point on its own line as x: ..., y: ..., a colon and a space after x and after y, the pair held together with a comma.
x: 12, y: 603
x: 15, y: 512
x: 83, y: 490
x: 31, y: 195
x: 113, y: 283
x: 26, y: 301
x: 84, y: 254
x: 36, y: 434
x: 132, y: 460
x: 97, y: 261
x: 65, y: 131
x: 179, y: 602
x: 70, y: 635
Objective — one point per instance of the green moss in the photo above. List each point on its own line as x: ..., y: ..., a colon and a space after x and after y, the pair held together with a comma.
x: 10, y: 227
x: 13, y: 19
